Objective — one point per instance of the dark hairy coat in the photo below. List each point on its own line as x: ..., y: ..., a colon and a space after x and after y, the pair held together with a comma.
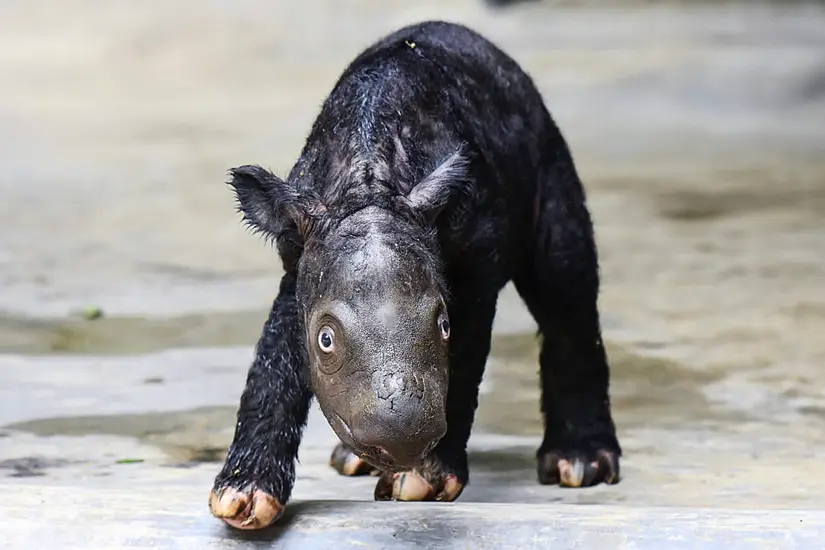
x: 438, y: 142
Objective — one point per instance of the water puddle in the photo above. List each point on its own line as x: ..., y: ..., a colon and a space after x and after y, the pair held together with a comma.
x: 186, y: 437
x: 646, y: 390
x: 127, y: 335
x: 31, y: 466
x: 747, y: 191
x: 696, y: 206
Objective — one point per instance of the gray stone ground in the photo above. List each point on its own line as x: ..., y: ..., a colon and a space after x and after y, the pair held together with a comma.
x: 700, y: 132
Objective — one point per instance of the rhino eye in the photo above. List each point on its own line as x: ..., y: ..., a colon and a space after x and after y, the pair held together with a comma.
x: 444, y: 326
x: 326, y: 339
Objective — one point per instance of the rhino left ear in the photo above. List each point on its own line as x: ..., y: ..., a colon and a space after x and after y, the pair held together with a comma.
x: 267, y: 202
x: 431, y: 194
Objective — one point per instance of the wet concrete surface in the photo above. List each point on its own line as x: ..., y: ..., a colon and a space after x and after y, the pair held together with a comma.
x: 698, y: 131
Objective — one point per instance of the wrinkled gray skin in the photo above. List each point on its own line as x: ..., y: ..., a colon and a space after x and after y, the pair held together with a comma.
x: 377, y: 337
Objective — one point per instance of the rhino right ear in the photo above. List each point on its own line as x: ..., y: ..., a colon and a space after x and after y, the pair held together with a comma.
x: 267, y: 202
x: 431, y: 194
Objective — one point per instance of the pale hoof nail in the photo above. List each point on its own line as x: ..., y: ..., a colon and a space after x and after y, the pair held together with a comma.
x: 410, y: 486
x: 571, y: 475
x: 352, y: 464
x: 452, y: 489
x: 243, y: 511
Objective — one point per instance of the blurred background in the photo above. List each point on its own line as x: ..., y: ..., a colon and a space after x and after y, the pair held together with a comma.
x: 131, y: 295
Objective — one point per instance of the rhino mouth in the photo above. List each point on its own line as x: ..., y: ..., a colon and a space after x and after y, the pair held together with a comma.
x: 374, y: 455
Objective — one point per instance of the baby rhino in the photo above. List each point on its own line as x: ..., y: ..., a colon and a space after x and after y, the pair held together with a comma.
x: 432, y: 177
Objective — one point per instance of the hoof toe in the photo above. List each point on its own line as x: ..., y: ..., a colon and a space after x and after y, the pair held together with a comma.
x: 576, y: 471
x: 250, y: 509
x: 347, y: 463
x: 412, y: 486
